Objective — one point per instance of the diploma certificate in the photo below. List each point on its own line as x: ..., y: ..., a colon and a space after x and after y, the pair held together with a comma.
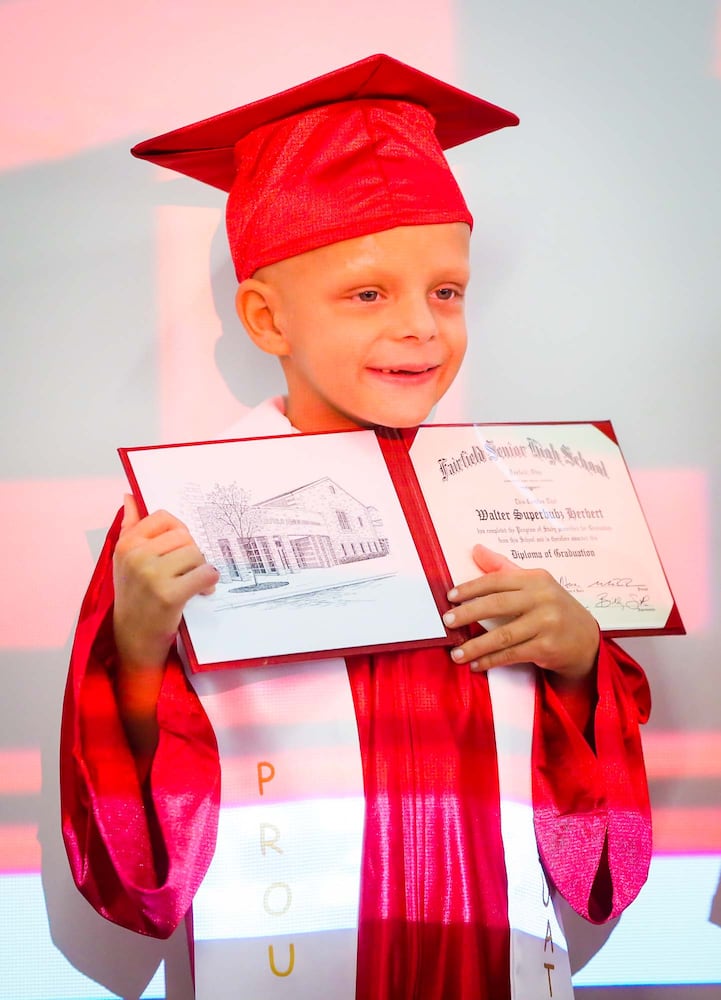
x: 345, y: 542
x: 557, y: 496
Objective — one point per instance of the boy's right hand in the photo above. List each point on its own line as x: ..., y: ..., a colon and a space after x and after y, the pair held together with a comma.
x: 157, y: 568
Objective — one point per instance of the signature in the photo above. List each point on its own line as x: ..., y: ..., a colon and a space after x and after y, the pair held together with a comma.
x: 635, y: 602
x: 571, y: 586
x: 618, y: 581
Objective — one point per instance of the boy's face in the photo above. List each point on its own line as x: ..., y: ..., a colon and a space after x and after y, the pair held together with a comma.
x: 370, y: 330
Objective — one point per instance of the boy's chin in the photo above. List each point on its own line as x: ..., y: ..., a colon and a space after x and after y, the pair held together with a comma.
x: 400, y: 413
x: 400, y: 419
x: 368, y: 414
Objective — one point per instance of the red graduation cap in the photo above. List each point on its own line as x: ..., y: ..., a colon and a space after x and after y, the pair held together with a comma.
x: 355, y: 151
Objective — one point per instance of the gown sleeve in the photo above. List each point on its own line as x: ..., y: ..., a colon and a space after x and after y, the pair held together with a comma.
x: 139, y: 867
x: 592, y: 811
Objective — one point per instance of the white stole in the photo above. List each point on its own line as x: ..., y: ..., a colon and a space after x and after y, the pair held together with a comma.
x: 539, y: 958
x: 278, y: 910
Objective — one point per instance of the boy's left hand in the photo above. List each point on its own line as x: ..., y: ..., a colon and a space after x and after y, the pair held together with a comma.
x: 541, y: 622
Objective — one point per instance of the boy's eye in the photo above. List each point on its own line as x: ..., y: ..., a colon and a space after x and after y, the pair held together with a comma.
x: 445, y: 294
x: 368, y: 295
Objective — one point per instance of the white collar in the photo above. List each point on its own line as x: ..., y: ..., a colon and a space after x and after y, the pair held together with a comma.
x: 268, y: 419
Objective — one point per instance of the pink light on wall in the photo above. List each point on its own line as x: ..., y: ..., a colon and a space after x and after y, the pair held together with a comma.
x: 685, y: 554
x: 20, y: 771
x: 679, y: 830
x: 19, y: 848
x: 674, y: 754
x: 20, y: 775
x: 50, y: 567
x: 692, y: 757
x: 93, y: 74
x: 195, y: 402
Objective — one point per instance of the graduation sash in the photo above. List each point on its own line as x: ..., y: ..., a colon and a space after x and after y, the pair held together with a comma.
x: 278, y: 909
x: 539, y: 957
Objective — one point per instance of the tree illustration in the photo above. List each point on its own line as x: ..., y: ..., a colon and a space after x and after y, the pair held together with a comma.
x: 234, y: 509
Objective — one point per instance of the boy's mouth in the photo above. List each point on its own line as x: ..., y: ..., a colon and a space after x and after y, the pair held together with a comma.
x: 415, y: 370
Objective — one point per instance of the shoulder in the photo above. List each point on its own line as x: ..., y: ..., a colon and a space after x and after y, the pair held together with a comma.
x: 268, y: 419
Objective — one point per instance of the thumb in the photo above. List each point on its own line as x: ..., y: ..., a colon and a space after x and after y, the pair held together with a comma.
x: 489, y: 561
x: 131, y: 516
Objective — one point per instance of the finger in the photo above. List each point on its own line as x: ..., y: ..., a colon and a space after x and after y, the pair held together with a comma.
x: 141, y: 531
x: 204, y: 579
x: 497, y: 604
x: 180, y: 554
x: 131, y: 516
x: 137, y: 548
x: 491, y: 583
x: 174, y: 588
x: 489, y: 561
x: 158, y: 522
x: 510, y: 642
x: 203, y: 575
x: 171, y: 540
x: 522, y: 653
x: 210, y: 589
x: 181, y: 561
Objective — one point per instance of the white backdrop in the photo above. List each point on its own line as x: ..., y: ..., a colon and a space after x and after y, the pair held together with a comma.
x: 596, y: 293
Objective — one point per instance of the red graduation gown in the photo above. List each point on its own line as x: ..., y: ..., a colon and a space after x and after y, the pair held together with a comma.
x: 433, y: 918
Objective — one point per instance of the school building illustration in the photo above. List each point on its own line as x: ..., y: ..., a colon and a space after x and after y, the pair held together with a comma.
x: 319, y: 524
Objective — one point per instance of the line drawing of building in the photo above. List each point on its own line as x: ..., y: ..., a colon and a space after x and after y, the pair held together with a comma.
x: 313, y: 526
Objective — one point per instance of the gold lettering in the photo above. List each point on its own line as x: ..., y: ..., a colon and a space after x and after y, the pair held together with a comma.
x: 279, y: 911
x: 266, y: 772
x: 545, y: 891
x: 291, y: 960
x: 271, y: 841
x: 549, y: 936
x: 548, y: 966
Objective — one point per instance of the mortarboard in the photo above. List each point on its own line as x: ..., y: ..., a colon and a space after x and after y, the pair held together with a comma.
x: 355, y: 151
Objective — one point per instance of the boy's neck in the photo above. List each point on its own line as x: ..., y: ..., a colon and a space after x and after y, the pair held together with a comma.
x: 309, y: 417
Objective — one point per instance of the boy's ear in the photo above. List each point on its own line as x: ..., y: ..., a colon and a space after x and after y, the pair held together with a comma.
x: 256, y: 303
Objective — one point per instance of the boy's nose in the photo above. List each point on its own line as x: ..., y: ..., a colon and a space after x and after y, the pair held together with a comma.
x: 415, y: 319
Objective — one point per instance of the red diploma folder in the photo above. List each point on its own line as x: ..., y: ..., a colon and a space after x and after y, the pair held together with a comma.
x: 348, y: 541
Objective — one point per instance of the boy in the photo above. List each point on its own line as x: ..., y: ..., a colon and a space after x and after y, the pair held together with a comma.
x: 350, y: 240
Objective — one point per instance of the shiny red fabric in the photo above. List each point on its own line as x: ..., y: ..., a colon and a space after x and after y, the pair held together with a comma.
x: 334, y: 173
x: 433, y: 922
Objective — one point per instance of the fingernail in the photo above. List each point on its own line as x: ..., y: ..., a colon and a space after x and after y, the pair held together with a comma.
x: 449, y: 618
x: 453, y: 594
x: 457, y: 654
x: 474, y: 665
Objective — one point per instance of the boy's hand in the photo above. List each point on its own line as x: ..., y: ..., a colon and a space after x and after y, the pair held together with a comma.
x: 541, y: 622
x: 157, y: 568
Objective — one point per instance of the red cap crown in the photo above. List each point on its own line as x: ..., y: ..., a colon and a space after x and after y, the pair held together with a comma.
x: 353, y: 152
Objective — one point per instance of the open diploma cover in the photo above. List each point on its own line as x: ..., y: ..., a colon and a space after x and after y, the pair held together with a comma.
x: 348, y: 541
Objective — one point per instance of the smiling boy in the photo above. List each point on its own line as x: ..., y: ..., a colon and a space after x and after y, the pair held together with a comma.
x: 351, y: 244
x: 368, y: 331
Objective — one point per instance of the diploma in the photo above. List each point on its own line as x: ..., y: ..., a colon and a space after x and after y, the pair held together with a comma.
x: 328, y: 544
x: 557, y: 496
